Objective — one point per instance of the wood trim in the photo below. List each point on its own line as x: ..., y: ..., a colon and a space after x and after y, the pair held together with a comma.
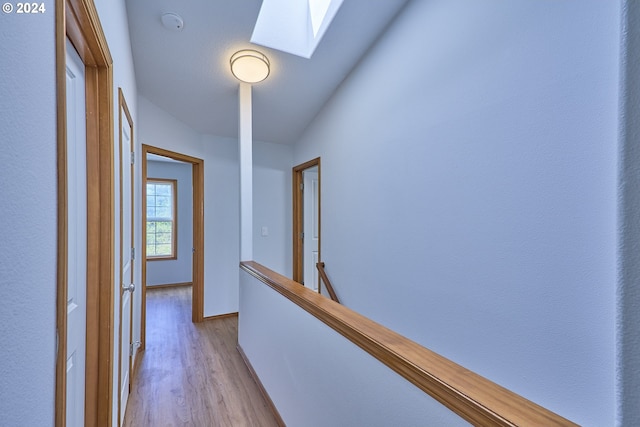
x: 327, y: 282
x: 197, y: 299
x: 85, y: 32
x: 298, y: 223
x: 118, y: 287
x: 169, y: 285
x: 62, y: 248
x: 256, y: 379
x: 143, y: 252
x: 103, y: 289
x: 221, y: 316
x: 197, y: 292
x: 174, y: 219
x: 78, y: 20
x: 136, y: 365
x: 298, y: 218
x: 471, y: 396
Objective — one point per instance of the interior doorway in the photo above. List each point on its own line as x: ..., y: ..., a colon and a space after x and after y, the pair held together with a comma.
x: 125, y: 291
x: 306, y: 224
x: 76, y: 238
x: 197, y: 275
x: 76, y: 20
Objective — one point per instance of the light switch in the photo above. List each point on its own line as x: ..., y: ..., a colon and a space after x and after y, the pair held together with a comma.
x: 265, y: 231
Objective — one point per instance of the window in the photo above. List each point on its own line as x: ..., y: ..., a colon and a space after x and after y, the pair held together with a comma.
x: 294, y: 26
x: 161, y: 219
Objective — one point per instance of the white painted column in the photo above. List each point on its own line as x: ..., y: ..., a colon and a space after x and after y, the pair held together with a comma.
x: 245, y: 145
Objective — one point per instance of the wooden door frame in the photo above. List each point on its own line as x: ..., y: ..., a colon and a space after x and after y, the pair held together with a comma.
x: 78, y: 21
x: 123, y: 108
x: 197, y: 167
x: 298, y: 218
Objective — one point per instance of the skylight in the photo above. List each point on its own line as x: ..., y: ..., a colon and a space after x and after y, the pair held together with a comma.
x: 294, y: 26
x: 317, y: 11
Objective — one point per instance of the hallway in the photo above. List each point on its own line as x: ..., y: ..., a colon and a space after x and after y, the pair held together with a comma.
x: 192, y: 374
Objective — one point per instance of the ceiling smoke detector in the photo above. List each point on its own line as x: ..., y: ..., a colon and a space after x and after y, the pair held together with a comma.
x: 172, y: 21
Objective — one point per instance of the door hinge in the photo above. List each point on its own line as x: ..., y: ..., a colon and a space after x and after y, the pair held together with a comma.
x: 133, y: 253
x: 301, y: 186
x: 132, y: 346
x: 133, y: 157
x: 302, y: 236
x: 193, y: 250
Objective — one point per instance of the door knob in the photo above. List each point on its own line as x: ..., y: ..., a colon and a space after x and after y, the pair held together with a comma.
x: 129, y: 288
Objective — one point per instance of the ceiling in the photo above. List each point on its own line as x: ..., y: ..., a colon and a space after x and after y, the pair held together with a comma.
x: 187, y: 73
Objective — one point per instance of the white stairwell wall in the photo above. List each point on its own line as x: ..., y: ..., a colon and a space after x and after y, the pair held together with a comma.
x: 316, y: 377
x: 470, y: 192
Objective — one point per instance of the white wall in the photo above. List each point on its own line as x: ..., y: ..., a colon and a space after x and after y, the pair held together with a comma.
x: 316, y: 377
x: 272, y: 206
x: 159, y: 129
x: 629, y: 232
x: 29, y: 190
x: 179, y: 270
x: 221, y: 200
x: 28, y: 211
x: 469, y: 192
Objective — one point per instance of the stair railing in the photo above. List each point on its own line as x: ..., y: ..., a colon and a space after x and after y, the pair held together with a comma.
x: 327, y: 282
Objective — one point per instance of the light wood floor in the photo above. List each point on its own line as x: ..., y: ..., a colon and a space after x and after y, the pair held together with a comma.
x: 192, y: 374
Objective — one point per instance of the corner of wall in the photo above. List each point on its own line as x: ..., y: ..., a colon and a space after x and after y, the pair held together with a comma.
x: 628, y: 319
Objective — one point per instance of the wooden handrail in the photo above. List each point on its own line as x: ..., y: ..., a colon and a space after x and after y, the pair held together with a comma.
x: 471, y: 396
x: 327, y: 282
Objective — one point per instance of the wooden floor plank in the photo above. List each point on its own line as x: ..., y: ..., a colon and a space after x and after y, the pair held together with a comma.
x: 192, y: 374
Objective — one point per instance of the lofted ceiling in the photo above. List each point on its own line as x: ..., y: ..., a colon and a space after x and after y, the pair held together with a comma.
x: 187, y: 73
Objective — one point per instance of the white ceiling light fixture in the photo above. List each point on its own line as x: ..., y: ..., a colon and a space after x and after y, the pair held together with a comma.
x: 250, y: 66
x: 172, y: 21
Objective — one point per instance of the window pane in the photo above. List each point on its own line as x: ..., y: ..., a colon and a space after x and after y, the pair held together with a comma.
x: 163, y: 249
x: 160, y: 226
x: 163, y: 237
x: 163, y: 212
x: 163, y: 189
x: 163, y: 227
x: 163, y: 201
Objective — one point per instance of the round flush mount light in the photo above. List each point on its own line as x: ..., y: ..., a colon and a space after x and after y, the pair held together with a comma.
x: 172, y: 21
x: 250, y: 66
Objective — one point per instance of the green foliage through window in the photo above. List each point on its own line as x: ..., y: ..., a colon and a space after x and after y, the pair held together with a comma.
x: 160, y: 219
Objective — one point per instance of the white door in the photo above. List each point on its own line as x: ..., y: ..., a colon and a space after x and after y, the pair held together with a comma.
x: 77, y: 237
x: 127, y: 287
x: 310, y: 209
